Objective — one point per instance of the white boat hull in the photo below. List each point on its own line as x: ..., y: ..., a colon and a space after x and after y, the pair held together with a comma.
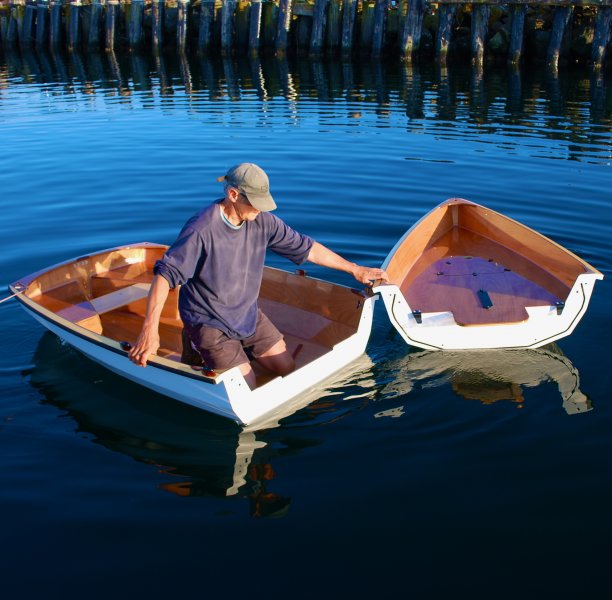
x: 228, y: 395
x: 440, y: 331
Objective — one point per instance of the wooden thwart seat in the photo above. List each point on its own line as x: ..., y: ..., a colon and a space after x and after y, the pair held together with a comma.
x: 103, y: 304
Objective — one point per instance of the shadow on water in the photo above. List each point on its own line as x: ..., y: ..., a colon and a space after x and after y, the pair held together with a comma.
x: 578, y: 103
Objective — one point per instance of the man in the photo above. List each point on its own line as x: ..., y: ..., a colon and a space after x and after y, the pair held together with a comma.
x: 218, y: 261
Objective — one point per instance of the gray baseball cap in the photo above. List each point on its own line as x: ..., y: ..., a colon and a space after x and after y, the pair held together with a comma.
x: 253, y: 182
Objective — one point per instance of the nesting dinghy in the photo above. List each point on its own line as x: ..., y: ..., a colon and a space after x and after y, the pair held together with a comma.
x: 96, y: 303
x: 463, y: 277
x: 467, y: 277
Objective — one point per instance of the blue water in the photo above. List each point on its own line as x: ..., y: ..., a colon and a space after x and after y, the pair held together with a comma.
x: 414, y: 474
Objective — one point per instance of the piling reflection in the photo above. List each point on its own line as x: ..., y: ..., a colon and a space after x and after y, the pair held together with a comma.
x: 497, y: 101
x: 490, y: 376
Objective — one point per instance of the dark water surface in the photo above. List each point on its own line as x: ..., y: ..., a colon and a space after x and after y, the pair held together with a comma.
x: 415, y: 474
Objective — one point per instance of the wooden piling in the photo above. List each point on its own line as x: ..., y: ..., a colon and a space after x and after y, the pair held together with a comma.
x: 74, y: 24
x: 11, y: 33
x: 157, y: 24
x: 255, y: 26
x: 378, y: 35
x: 480, y: 26
x: 602, y: 36
x: 93, y: 31
x: 366, y: 30
x: 135, y: 24
x: 318, y: 28
x: 269, y: 24
x: 112, y: 14
x: 334, y: 24
x: 515, y: 50
x: 411, y: 32
x: 55, y: 23
x: 284, y: 23
x: 349, y: 12
x: 227, y: 27
x: 27, y: 24
x: 207, y: 14
x: 42, y: 9
x: 241, y: 24
x: 15, y: 22
x: 561, y: 18
x: 182, y: 25
x: 303, y: 34
x: 445, y: 31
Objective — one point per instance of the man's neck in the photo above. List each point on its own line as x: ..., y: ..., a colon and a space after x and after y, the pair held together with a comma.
x: 230, y: 213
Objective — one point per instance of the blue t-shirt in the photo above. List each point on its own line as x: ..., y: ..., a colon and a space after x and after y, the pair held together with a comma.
x: 219, y: 268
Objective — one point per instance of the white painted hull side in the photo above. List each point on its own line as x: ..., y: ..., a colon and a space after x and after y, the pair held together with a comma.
x: 439, y: 331
x: 229, y: 395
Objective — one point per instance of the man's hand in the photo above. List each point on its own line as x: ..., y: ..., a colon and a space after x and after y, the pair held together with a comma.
x: 321, y: 255
x: 148, y: 340
x: 147, y: 344
x: 368, y: 276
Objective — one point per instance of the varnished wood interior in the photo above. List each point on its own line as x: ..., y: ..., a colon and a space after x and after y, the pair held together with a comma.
x: 313, y: 315
x: 515, y: 265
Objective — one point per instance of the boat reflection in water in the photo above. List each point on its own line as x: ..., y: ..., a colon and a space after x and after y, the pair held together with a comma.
x: 488, y: 375
x: 205, y: 455
x: 200, y: 453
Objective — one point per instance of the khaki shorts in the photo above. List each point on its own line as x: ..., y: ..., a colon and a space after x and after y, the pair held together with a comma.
x: 220, y: 352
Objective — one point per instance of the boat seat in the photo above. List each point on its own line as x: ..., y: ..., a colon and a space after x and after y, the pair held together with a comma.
x: 84, y: 311
x: 103, y: 283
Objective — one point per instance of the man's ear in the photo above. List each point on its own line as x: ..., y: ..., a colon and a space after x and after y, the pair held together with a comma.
x: 232, y: 194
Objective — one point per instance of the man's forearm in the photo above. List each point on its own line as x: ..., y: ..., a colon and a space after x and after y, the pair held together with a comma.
x: 158, y: 295
x: 321, y: 255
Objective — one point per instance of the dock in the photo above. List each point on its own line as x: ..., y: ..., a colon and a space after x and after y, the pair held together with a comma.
x: 551, y: 31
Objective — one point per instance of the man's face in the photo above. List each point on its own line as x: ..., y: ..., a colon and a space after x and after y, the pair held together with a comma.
x: 245, y: 211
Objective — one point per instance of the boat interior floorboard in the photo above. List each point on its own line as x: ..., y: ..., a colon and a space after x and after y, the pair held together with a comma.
x: 121, y: 325
x: 479, y: 281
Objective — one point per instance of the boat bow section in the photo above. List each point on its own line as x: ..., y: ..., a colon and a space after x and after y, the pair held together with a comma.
x: 467, y: 277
